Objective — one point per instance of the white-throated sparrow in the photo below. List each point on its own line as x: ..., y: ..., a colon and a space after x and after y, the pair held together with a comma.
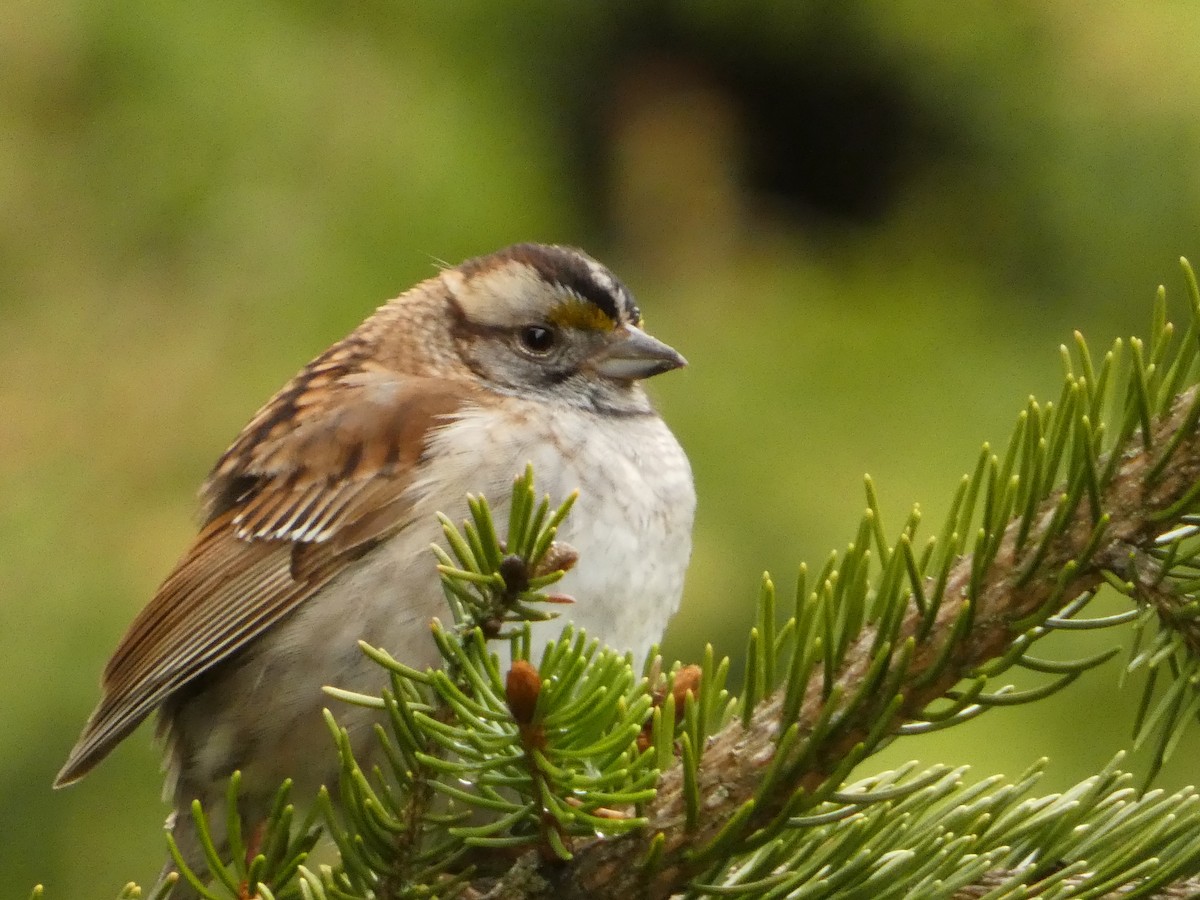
x: 318, y: 519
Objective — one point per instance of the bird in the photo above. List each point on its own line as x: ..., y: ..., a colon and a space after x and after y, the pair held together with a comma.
x: 317, y: 521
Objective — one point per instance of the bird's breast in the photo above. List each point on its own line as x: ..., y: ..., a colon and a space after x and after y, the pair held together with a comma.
x: 631, y: 525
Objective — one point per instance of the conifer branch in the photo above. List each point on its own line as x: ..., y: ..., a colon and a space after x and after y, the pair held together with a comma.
x: 1022, y: 579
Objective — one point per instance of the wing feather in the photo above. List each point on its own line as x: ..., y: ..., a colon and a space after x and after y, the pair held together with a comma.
x: 317, y: 478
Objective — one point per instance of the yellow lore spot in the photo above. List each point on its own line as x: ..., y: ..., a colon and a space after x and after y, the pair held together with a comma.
x: 576, y: 313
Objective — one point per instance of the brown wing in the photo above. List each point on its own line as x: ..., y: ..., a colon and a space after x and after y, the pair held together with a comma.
x: 315, y: 480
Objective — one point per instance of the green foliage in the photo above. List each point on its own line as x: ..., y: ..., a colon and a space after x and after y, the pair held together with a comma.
x: 272, y: 857
x: 923, y: 641
x: 909, y: 834
x: 475, y: 760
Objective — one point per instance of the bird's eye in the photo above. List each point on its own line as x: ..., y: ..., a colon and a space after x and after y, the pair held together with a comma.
x: 538, y: 338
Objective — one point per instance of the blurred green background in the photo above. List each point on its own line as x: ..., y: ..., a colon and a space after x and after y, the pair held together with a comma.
x: 868, y: 226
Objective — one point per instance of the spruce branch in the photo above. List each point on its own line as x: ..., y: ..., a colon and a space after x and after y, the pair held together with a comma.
x: 272, y: 855
x: 1038, y: 555
x: 482, y: 764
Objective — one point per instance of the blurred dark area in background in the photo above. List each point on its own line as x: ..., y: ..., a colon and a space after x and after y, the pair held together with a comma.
x: 868, y: 226
x: 815, y: 131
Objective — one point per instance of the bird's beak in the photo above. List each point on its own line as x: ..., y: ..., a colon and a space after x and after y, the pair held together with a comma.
x: 632, y: 354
